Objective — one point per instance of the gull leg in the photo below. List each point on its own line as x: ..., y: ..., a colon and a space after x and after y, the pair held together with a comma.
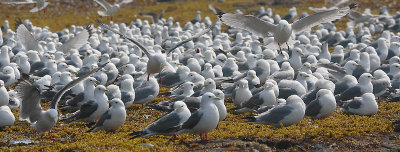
x: 287, y: 46
x: 175, y: 137
x: 148, y: 77
x: 159, y: 80
x: 206, y: 137
x: 201, y: 136
x: 280, y: 49
x: 49, y: 134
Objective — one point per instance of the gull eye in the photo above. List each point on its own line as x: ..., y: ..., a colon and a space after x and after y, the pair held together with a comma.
x: 209, y: 96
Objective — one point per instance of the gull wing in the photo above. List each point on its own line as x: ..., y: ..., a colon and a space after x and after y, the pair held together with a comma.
x: 249, y: 23
x: 319, y: 18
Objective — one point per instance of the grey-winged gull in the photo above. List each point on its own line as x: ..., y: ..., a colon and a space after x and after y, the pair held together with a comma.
x: 323, y: 106
x: 203, y: 120
x: 93, y: 109
x: 364, y: 105
x: 3, y: 94
x: 242, y: 93
x: 127, y: 92
x: 6, y: 116
x: 113, y: 118
x: 290, y: 113
x: 364, y: 86
x: 167, y: 124
x: 110, y: 9
x: 283, y: 31
x: 220, y: 104
x: 264, y: 98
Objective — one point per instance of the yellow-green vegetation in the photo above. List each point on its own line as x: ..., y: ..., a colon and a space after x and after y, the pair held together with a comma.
x: 234, y: 133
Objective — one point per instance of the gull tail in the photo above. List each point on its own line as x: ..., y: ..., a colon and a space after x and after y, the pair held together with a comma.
x: 137, y: 134
x: 250, y: 118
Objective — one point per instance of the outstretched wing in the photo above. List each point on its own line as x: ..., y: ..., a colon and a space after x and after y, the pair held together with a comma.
x: 30, y: 104
x: 249, y: 23
x: 320, y: 17
x: 70, y: 85
x: 126, y: 37
x: 26, y: 38
x: 191, y: 38
x: 76, y: 42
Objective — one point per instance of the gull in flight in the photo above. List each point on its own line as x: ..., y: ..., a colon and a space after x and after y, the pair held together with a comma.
x: 110, y: 9
x: 283, y: 31
x: 40, y: 4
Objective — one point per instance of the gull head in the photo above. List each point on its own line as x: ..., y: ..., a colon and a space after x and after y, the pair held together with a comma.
x: 283, y: 24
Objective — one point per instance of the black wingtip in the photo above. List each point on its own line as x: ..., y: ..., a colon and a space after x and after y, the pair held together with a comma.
x: 90, y: 29
x: 250, y: 119
x: 353, y: 5
x: 18, y: 22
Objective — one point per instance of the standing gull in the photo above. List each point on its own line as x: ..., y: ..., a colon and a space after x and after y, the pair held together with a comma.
x: 113, y: 118
x: 203, y: 120
x: 167, y: 124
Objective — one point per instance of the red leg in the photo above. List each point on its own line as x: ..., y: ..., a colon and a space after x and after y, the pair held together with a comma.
x: 51, y: 137
x: 206, y: 137
x: 159, y: 80
x: 175, y: 137
x: 201, y: 136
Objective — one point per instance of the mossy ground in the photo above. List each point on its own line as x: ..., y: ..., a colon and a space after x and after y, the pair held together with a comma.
x: 337, y: 132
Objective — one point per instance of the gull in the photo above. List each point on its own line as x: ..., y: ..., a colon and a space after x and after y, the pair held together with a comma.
x: 3, y: 94
x: 220, y: 104
x: 110, y: 9
x: 264, y: 98
x: 127, y: 92
x: 364, y: 105
x: 8, y: 76
x: 364, y: 86
x: 113, y: 118
x: 40, y: 4
x: 203, y: 120
x: 13, y: 101
x: 6, y: 116
x: 31, y: 110
x: 323, y: 106
x: 285, y: 115
x: 154, y: 16
x: 283, y: 31
x: 167, y: 124
x: 93, y: 109
x: 242, y: 93
x: 29, y: 42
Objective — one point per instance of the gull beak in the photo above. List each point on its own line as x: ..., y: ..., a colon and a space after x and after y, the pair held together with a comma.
x: 65, y: 55
x: 195, y: 86
x: 73, y: 75
x: 242, y: 86
x: 57, y: 63
x: 307, y: 76
x: 180, y: 64
x: 106, y: 71
x: 373, y: 78
x: 175, y: 110
x: 302, y: 54
x: 67, y: 66
x: 236, y: 62
x: 141, y: 59
x: 267, y: 87
x: 81, y: 56
x: 358, y: 64
x: 109, y: 102
x: 203, y: 57
x: 97, y: 82
x: 217, y: 98
x: 100, y: 56
x: 106, y: 91
x: 253, y: 76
